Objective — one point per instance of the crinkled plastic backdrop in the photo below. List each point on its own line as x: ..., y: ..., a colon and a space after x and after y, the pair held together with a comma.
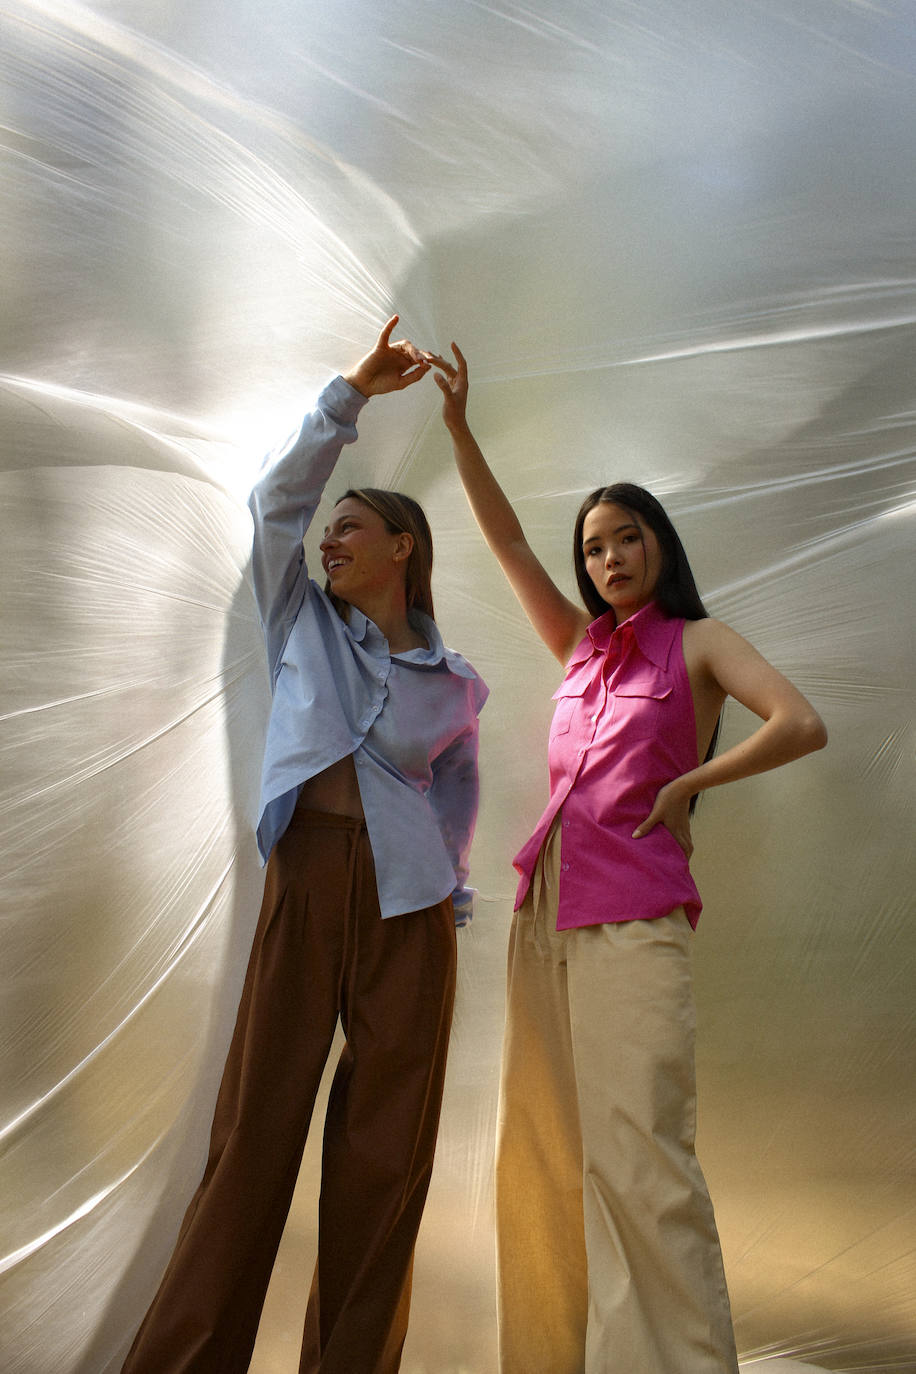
x: 675, y: 239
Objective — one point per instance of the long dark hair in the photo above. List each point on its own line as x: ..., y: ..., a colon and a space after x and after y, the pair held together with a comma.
x: 675, y: 591
x: 402, y: 515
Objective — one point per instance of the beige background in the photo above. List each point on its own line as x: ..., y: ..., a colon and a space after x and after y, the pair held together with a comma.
x: 675, y: 242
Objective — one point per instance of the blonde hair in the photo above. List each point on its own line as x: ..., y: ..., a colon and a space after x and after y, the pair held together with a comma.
x: 403, y: 515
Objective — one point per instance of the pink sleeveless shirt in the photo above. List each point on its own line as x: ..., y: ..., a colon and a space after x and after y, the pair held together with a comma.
x: 623, y: 726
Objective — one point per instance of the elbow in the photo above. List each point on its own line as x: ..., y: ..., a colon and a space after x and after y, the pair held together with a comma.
x: 812, y: 733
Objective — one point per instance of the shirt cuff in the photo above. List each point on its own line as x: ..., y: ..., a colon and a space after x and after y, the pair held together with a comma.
x: 342, y: 401
x: 463, y: 902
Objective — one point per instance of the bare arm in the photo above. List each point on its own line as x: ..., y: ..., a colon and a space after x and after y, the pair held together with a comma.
x: 558, y: 621
x: 720, y: 664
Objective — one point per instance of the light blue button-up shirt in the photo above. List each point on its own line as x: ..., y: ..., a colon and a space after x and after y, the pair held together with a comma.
x: 408, y: 719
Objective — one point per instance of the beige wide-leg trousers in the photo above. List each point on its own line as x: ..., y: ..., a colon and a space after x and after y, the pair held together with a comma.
x: 608, y: 1256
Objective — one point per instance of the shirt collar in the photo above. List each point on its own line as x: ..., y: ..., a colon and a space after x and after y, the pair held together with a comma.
x: 366, y: 632
x: 437, y: 652
x: 650, y: 627
x: 362, y: 628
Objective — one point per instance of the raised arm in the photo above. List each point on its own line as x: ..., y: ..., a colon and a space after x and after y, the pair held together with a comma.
x: 721, y: 663
x: 558, y: 621
x: 291, y: 482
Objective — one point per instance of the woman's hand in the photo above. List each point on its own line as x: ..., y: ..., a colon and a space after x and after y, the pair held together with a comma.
x: 453, y: 383
x: 388, y: 366
x: 672, y: 810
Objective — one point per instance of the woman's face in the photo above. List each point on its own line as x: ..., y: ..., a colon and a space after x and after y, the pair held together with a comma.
x: 359, y: 554
x: 622, y: 558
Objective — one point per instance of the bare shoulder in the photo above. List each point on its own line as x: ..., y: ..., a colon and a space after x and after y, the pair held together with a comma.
x: 720, y: 658
x: 705, y: 640
x: 711, y: 631
x: 720, y: 662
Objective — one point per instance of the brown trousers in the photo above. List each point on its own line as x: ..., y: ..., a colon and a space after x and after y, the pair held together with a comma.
x: 321, y: 950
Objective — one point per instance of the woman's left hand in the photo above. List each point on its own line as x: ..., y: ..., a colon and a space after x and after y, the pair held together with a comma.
x: 452, y: 380
x: 672, y: 810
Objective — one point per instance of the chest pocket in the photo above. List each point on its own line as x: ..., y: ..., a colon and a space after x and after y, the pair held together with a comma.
x: 639, y: 706
x: 568, y: 697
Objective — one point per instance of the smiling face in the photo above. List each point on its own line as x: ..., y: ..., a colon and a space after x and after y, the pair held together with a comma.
x: 622, y: 558
x: 360, y: 555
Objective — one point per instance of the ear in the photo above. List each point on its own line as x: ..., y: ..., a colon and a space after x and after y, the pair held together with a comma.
x: 403, y: 546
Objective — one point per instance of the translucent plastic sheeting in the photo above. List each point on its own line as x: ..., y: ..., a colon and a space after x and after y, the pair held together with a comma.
x: 676, y: 243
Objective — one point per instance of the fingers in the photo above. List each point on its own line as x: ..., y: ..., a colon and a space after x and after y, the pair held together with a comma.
x: 414, y: 375
x: 683, y: 837
x: 420, y: 354
x: 386, y: 332
x: 404, y: 346
x: 462, y: 369
x: 411, y: 354
x: 413, y: 363
x: 452, y: 381
x: 443, y: 364
x: 399, y: 345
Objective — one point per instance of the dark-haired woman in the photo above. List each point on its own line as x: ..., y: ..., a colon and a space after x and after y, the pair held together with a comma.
x: 609, y: 1261
x: 368, y: 803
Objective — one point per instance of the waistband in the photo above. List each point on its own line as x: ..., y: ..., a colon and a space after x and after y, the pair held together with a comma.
x: 326, y: 820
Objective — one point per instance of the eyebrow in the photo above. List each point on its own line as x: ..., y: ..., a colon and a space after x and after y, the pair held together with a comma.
x: 630, y: 525
x: 349, y: 516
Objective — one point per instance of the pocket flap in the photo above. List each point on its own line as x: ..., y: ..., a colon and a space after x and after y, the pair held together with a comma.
x: 654, y: 687
x: 577, y: 681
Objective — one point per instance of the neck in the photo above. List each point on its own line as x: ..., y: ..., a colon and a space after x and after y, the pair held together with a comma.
x: 389, y: 613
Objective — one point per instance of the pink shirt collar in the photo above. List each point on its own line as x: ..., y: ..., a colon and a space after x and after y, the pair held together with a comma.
x: 650, y: 627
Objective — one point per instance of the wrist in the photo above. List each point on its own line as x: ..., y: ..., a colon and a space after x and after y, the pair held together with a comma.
x: 358, y: 381
x: 684, y: 787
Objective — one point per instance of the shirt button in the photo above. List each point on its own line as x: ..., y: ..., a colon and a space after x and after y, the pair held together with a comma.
x: 565, y: 868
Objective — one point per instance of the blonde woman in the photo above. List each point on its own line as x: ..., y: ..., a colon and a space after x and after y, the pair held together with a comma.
x: 369, y: 797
